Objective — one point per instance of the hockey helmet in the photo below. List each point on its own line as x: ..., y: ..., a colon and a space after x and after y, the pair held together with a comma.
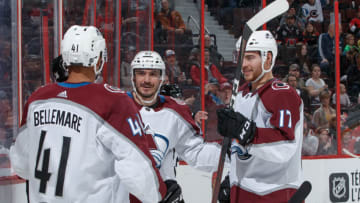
x: 83, y: 46
x: 264, y: 42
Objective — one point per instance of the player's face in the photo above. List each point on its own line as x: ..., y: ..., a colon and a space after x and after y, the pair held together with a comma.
x: 147, y: 82
x: 251, y: 65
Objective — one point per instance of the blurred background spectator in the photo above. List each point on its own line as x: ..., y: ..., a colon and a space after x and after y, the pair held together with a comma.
x: 175, y: 73
x: 315, y: 84
x: 211, y: 70
x: 125, y: 71
x: 310, y: 141
x: 355, y: 24
x: 344, y: 97
x: 324, y: 113
x: 327, y: 146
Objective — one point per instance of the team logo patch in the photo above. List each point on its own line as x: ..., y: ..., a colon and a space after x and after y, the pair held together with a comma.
x: 113, y: 89
x: 339, y: 187
x: 279, y: 85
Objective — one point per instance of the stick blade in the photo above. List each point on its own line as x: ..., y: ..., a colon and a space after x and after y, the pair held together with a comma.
x: 271, y: 11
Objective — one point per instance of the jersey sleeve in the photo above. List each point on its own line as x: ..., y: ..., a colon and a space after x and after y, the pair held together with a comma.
x: 19, y: 152
x: 192, y: 148
x: 125, y: 138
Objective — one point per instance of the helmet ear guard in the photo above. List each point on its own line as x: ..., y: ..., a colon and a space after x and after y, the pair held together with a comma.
x: 84, y: 46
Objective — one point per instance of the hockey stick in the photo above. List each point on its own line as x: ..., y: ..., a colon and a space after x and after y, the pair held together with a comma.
x: 273, y: 10
x: 347, y: 152
x: 300, y: 195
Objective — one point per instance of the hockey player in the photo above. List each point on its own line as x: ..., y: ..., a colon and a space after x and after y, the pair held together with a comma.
x: 80, y: 141
x: 266, y: 124
x: 169, y: 121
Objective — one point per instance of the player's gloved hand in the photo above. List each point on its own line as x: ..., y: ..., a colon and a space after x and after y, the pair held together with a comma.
x: 234, y: 125
x: 173, y: 193
x: 224, y: 193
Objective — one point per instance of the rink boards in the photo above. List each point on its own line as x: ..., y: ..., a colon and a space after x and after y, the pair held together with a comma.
x: 333, y: 180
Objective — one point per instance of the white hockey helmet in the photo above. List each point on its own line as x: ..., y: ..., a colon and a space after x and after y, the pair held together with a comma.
x: 264, y: 42
x: 148, y: 60
x: 83, y: 46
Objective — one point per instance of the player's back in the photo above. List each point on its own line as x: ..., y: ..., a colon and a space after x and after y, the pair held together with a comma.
x: 73, y: 134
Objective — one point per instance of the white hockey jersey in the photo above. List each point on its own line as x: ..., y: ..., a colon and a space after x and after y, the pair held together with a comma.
x: 312, y: 12
x: 83, y: 143
x: 175, y: 133
x: 272, y: 173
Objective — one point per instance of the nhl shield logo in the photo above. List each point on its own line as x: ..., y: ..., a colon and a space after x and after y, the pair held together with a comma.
x: 339, y: 187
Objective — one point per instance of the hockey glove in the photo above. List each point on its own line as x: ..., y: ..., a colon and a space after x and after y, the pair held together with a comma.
x: 234, y: 125
x: 173, y: 193
x: 224, y: 193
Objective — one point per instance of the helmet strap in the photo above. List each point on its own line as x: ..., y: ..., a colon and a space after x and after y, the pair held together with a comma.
x: 263, y: 71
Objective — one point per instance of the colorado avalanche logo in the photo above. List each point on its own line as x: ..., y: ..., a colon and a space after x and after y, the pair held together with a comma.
x: 279, y: 85
x: 113, y: 89
x: 162, y: 145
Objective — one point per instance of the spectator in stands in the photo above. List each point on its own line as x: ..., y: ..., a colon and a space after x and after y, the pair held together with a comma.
x: 292, y: 80
x: 315, y: 84
x: 312, y: 11
x: 292, y: 12
x: 326, y: 47
x: 349, y: 44
x: 225, y: 93
x: 173, y: 70
x: 125, y: 70
x: 323, y: 114
x: 354, y: 24
x: 310, y: 34
x: 353, y: 77
x: 212, y: 91
x: 294, y: 69
x: 215, y: 57
x: 289, y: 34
x: 172, y: 23
x: 346, y: 61
x: 348, y: 142
x: 170, y: 20
x: 344, y: 97
x: 304, y: 59
x: 310, y: 141
x: 211, y: 71
x: 327, y: 145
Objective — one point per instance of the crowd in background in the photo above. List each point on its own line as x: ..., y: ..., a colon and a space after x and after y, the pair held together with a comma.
x: 306, y: 59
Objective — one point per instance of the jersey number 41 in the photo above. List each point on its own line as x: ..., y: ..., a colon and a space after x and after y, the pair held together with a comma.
x: 44, y: 174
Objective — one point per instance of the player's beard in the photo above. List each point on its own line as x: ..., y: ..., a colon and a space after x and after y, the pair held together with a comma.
x: 151, y: 94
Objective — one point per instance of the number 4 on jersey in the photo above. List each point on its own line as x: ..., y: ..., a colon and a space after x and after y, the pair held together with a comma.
x: 44, y: 174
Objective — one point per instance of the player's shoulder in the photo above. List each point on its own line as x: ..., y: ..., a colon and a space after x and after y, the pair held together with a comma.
x: 44, y: 92
x: 108, y: 91
x: 277, y: 91
x: 176, y: 105
x: 173, y: 103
